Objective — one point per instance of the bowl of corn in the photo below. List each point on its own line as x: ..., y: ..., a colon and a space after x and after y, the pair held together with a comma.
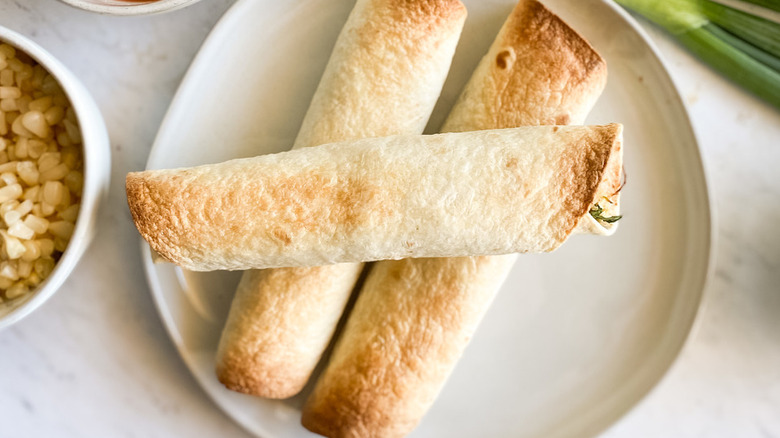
x: 54, y: 172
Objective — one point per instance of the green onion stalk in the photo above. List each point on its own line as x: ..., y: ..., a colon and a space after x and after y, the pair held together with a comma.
x: 742, y: 46
x: 769, y: 4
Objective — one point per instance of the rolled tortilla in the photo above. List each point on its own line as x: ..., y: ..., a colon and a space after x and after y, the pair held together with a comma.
x: 446, y: 195
x: 414, y: 317
x: 383, y: 78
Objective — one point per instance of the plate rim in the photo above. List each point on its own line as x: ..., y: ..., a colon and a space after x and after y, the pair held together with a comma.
x: 694, y: 323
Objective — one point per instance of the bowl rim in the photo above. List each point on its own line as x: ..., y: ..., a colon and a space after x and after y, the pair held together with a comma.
x: 96, y: 156
x: 130, y: 9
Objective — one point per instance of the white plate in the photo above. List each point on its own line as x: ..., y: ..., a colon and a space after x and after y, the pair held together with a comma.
x: 575, y: 338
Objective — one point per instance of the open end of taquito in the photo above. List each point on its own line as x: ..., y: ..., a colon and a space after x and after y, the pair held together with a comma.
x: 604, y: 211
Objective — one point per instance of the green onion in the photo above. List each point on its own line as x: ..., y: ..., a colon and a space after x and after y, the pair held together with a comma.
x: 747, y: 48
x: 769, y: 4
x: 743, y: 47
x: 758, y: 31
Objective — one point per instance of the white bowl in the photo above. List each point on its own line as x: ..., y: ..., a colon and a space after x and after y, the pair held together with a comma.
x: 129, y: 7
x: 97, y: 166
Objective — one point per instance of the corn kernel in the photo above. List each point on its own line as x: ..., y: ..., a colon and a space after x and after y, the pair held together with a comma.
x: 48, y: 160
x: 13, y: 191
x: 8, y: 270
x: 47, y: 209
x: 17, y: 290
x: 55, y: 173
x: 28, y: 172
x: 61, y: 229
x: 37, y: 224
x: 43, y: 266
x: 10, y: 93
x: 13, y: 246
x: 71, y: 213
x: 8, y: 178
x: 42, y: 104
x: 24, y: 268
x: 32, y: 250
x: 35, y: 122
x: 11, y: 217
x: 21, y: 231
x: 54, y: 115
x: 46, y: 246
x: 32, y: 194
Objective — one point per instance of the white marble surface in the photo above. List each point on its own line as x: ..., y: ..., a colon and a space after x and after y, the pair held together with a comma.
x: 95, y: 361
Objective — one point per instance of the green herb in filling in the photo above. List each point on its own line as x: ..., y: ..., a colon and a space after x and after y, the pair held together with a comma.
x: 597, y: 212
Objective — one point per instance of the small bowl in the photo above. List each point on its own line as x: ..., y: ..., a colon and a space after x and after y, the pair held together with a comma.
x: 129, y: 7
x: 96, y: 170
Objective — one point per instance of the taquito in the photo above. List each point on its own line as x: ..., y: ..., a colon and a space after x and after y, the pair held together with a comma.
x: 383, y: 78
x: 446, y: 195
x: 414, y: 317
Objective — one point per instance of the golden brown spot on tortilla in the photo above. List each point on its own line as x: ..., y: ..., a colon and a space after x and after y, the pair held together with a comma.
x: 511, y: 163
x: 281, y: 235
x: 312, y: 204
x: 419, y: 24
x: 557, y: 63
x: 503, y: 59
x: 428, y: 13
x: 394, y: 270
